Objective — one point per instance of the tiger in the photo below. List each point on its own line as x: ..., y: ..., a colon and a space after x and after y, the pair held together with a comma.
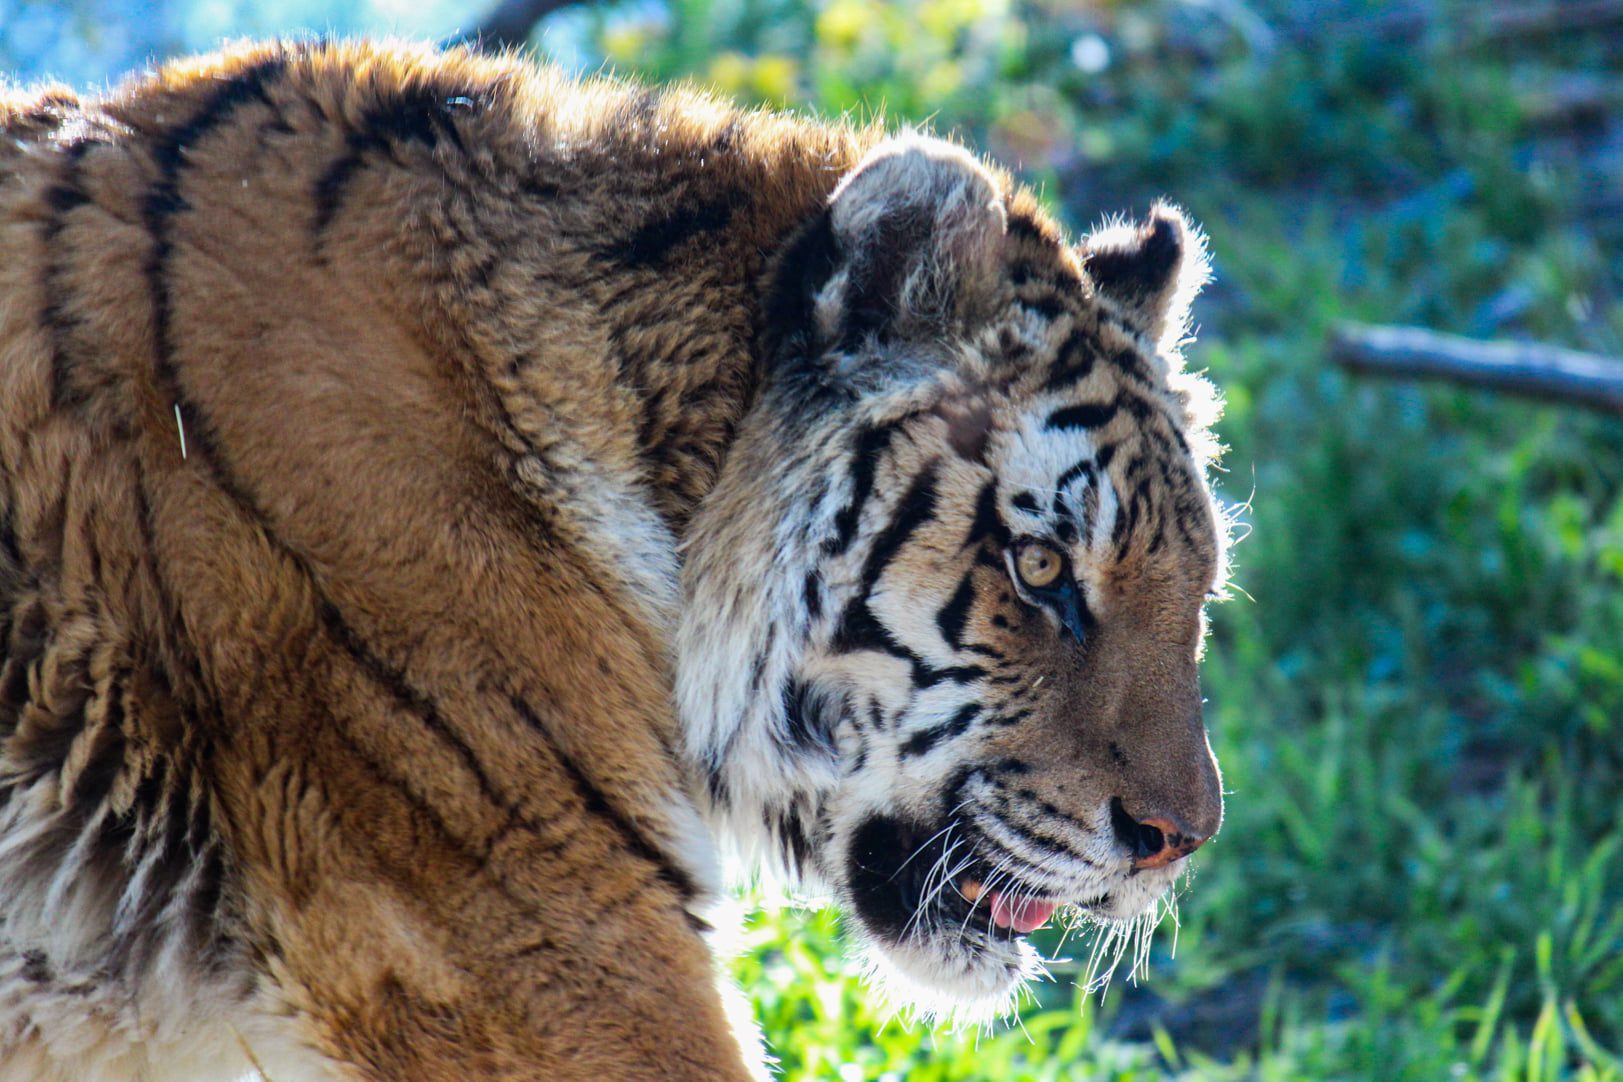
x: 456, y: 517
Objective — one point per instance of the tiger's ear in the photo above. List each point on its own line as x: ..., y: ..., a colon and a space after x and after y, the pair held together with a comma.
x: 1152, y: 270
x: 918, y: 231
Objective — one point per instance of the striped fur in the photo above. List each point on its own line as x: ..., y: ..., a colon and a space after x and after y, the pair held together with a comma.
x: 443, y: 505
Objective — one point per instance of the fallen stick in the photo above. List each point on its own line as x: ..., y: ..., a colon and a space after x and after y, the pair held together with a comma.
x: 1528, y: 368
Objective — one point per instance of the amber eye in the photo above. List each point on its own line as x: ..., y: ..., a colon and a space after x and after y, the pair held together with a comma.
x: 1038, y: 565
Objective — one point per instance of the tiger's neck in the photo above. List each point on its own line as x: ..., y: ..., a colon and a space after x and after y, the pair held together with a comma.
x: 617, y: 331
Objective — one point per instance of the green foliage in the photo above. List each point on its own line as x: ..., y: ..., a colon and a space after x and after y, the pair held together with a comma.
x: 821, y: 1023
x: 1418, y: 698
x: 1420, y: 714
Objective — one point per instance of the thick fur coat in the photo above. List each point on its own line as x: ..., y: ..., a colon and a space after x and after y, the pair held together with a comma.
x: 445, y: 506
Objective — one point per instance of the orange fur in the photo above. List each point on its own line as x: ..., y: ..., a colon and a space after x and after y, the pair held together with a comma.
x: 356, y: 400
x: 359, y: 631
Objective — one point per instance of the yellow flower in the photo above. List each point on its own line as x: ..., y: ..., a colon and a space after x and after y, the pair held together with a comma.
x: 730, y: 72
x: 775, y: 77
x: 842, y: 22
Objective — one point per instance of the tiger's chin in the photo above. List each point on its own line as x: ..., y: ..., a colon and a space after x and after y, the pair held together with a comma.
x: 943, y: 943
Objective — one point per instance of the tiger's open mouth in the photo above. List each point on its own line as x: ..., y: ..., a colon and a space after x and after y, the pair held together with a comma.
x: 1008, y: 909
x: 911, y: 882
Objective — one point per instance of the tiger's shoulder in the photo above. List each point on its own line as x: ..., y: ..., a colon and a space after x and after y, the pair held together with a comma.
x: 352, y: 399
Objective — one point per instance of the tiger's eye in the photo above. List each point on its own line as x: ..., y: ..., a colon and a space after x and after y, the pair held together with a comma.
x: 1038, y: 565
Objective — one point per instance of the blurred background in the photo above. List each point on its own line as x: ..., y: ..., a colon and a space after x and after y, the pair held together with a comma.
x: 1417, y: 690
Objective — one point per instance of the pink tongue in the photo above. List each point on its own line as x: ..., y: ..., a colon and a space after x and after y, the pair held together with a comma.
x: 1023, y: 916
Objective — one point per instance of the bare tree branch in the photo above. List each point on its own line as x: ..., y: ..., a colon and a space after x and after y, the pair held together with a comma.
x: 509, y: 23
x: 1529, y: 368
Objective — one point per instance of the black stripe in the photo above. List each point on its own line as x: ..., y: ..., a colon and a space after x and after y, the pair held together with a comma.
x: 1008, y: 798
x: 1055, y: 813
x: 1049, y: 306
x: 1131, y: 362
x: 328, y: 193
x: 144, y: 804
x: 923, y: 741
x: 1083, y: 468
x: 808, y: 728
x: 758, y: 666
x: 787, y: 326
x: 955, y: 614
x: 476, y: 857
x: 8, y: 541
x: 1126, y: 523
x: 418, y: 114
x: 202, y: 917
x: 866, y: 450
x: 161, y: 203
x: 653, y: 425
x: 876, y: 716
x: 394, y: 681
x: 715, y: 779
x: 1073, y: 362
x: 1167, y: 493
x: 916, y: 507
x: 1140, y: 407
x: 656, y: 240
x: 1025, y: 501
x: 37, y: 968
x: 197, y: 826
x: 598, y: 804
x: 1022, y: 226
x: 813, y: 594
x: 62, y: 199
x: 793, y: 839
x: 1088, y: 415
x: 987, y: 522
x: 1041, y: 842
x: 105, y: 759
x: 859, y: 630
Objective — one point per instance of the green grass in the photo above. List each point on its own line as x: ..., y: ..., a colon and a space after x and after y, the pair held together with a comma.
x: 1418, y: 700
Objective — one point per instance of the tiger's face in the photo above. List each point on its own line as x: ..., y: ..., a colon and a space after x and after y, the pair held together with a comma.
x: 959, y: 561
x: 1009, y: 681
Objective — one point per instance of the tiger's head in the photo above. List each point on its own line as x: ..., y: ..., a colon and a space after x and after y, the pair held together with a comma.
x: 945, y: 605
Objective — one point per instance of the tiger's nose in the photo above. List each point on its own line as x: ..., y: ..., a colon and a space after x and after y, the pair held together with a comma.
x: 1156, y: 841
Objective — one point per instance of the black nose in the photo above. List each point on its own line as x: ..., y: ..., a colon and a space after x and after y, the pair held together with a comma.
x: 1142, y: 840
x: 1153, y: 841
